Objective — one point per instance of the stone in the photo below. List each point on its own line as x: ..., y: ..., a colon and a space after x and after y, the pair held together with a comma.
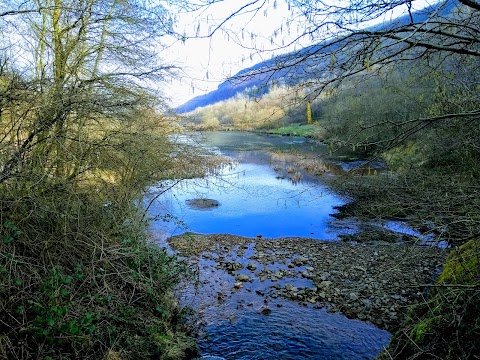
x: 299, y: 261
x: 252, y: 267
x: 307, y: 275
x: 360, y: 268
x: 291, y: 288
x: 243, y: 278
x: 238, y: 285
x: 367, y: 302
x: 233, y: 266
x: 265, y: 311
x: 221, y: 297
x: 325, y: 284
x: 325, y: 276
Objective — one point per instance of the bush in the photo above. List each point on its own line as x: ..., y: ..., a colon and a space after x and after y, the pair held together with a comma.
x: 78, y: 282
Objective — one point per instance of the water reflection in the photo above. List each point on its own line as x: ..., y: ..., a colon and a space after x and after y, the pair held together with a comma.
x: 267, y: 193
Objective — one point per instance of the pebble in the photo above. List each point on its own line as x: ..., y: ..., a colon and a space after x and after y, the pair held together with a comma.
x: 243, y: 278
x: 325, y: 284
x: 367, y: 282
x: 291, y: 288
x: 353, y: 296
x: 265, y: 311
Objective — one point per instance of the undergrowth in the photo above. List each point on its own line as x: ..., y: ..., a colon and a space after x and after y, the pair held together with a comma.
x: 446, y: 325
x: 79, y: 279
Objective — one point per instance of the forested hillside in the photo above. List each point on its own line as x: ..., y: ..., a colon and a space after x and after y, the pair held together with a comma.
x: 294, y: 68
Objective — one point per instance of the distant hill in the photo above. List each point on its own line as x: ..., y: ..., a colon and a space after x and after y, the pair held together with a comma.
x: 283, y: 70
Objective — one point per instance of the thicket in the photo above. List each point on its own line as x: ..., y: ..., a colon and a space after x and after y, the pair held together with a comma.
x: 80, y: 140
x: 79, y: 277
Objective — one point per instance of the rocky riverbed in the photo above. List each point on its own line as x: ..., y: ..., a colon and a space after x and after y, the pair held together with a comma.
x: 373, y: 282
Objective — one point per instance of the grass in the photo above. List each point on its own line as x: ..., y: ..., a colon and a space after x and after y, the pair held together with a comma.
x: 304, y: 130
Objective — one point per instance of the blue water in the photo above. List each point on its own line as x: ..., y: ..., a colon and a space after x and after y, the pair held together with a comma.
x: 254, y: 198
x: 235, y: 329
x: 257, y: 198
x: 315, y: 334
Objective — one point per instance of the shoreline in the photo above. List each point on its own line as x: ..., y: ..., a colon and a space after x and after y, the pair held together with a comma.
x: 375, y: 282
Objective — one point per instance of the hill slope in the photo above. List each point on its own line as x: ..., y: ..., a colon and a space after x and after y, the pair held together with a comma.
x: 292, y: 68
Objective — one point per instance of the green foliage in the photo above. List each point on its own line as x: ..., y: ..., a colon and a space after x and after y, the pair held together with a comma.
x: 85, y: 286
x: 421, y: 330
x: 53, y: 309
x: 463, y: 265
x: 9, y: 232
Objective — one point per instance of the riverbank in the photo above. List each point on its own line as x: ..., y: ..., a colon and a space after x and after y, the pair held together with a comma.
x: 310, y: 131
x: 375, y: 282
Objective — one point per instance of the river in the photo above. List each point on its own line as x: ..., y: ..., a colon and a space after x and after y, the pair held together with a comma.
x: 266, y: 195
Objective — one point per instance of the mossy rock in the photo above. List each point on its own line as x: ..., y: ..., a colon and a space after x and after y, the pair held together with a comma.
x: 463, y: 265
x: 446, y: 326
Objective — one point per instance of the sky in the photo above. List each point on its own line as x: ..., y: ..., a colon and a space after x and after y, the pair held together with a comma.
x: 208, y: 61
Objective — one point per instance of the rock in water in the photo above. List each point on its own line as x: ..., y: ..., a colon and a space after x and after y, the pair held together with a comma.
x: 243, y: 278
x: 265, y: 311
x: 202, y: 204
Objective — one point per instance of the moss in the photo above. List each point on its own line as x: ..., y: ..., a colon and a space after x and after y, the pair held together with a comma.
x: 446, y: 326
x: 421, y: 329
x: 463, y: 265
